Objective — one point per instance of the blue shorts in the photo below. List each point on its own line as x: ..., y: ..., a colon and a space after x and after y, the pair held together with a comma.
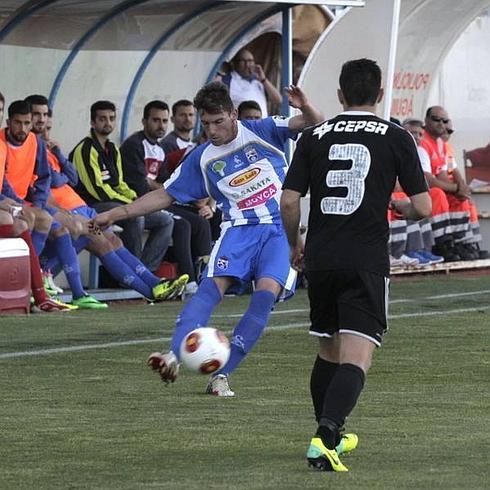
x: 86, y: 211
x: 251, y: 252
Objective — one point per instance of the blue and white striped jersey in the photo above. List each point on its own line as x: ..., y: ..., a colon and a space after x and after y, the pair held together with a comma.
x: 244, y: 176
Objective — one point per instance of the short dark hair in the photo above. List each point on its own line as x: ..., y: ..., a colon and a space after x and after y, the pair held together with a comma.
x: 214, y: 98
x: 181, y: 103
x: 360, y: 82
x: 101, y: 105
x: 248, y: 104
x: 154, y: 104
x: 36, y: 99
x: 21, y: 107
x: 413, y: 122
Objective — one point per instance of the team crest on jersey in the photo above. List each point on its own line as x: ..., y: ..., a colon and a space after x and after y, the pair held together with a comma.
x: 222, y: 263
x: 219, y: 167
x: 251, y: 154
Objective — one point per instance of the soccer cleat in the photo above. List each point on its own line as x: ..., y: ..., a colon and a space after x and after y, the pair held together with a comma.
x: 178, y: 286
x: 347, y: 443
x: 49, y: 285
x: 218, y: 386
x: 88, y: 302
x: 167, y: 289
x: 51, y: 306
x: 167, y: 365
x: 323, y: 459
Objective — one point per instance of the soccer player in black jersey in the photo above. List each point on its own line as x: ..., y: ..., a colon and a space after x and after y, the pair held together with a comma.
x: 350, y: 165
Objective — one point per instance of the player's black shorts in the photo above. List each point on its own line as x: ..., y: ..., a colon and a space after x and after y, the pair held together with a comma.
x: 348, y: 301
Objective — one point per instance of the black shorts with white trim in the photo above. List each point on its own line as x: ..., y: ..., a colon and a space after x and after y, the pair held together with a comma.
x: 348, y: 301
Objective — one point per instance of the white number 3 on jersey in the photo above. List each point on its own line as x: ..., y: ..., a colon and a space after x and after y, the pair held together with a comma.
x: 353, y: 178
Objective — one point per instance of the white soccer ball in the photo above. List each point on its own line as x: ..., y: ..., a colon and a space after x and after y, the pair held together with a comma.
x: 205, y: 350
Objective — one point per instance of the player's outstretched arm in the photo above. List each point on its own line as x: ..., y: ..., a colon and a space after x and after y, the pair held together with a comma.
x: 153, y: 201
x: 309, y: 116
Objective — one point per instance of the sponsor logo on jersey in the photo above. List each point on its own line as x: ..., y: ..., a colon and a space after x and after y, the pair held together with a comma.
x: 258, y: 198
x: 351, y: 126
x: 222, y: 263
x: 218, y: 167
x: 251, y: 154
x: 237, y: 161
x: 245, y: 177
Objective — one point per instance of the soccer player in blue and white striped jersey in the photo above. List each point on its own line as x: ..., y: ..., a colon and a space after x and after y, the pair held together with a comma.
x: 242, y: 167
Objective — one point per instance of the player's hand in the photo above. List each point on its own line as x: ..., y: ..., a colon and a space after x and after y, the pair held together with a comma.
x: 259, y: 73
x: 93, y: 229
x: 102, y: 220
x: 206, y: 212
x: 52, y: 144
x: 401, y: 207
x: 296, y: 97
x: 464, y: 192
x: 297, y: 259
x: 297, y: 254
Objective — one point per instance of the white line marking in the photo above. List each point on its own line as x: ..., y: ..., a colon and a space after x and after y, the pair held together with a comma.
x: 392, y: 302
x: 108, y: 345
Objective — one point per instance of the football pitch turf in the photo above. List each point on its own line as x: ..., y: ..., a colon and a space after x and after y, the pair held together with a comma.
x: 80, y: 409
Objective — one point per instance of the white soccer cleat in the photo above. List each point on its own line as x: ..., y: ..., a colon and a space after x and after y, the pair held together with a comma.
x: 167, y: 365
x: 49, y: 285
x: 218, y: 386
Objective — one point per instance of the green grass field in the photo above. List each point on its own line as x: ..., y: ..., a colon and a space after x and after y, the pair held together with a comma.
x: 80, y: 409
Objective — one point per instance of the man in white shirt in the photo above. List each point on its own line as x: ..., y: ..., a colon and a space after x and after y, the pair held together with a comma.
x: 247, y: 81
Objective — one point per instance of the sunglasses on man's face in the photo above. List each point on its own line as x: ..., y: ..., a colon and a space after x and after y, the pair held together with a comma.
x: 439, y: 119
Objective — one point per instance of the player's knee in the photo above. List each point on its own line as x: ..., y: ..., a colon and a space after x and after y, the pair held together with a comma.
x: 58, y: 230
x: 20, y: 226
x: 99, y: 246
x: 329, y: 348
x: 114, y: 241
x: 5, y: 218
x: 43, y: 221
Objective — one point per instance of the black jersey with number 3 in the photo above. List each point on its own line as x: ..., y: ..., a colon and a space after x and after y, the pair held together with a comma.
x: 350, y: 165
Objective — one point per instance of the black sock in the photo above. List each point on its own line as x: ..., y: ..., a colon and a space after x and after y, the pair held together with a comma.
x: 321, y: 375
x: 340, y: 398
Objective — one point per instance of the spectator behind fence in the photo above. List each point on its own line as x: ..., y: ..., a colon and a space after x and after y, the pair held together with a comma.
x: 247, y: 81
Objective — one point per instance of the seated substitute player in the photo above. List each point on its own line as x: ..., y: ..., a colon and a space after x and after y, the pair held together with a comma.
x: 242, y: 168
x: 350, y: 165
x: 121, y: 264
